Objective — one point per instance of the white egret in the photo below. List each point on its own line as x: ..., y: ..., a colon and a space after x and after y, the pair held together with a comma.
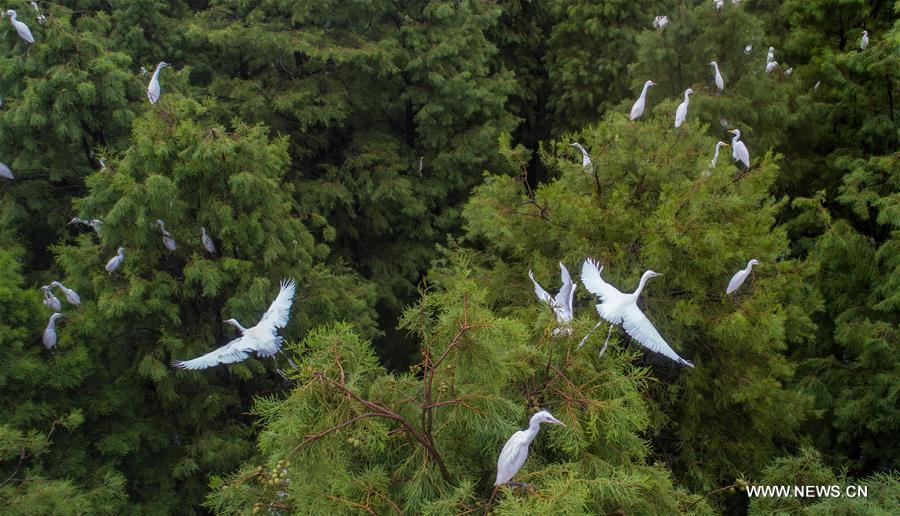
x: 740, y: 276
x: 6, y: 172
x: 864, y: 41
x: 738, y: 150
x: 736, y: 2
x: 771, y: 66
x: 167, y: 239
x: 153, y: 90
x: 816, y: 87
x: 715, y: 159
x: 618, y: 308
x: 562, y: 303
x: 71, y: 296
x: 718, y: 4
x: 638, y: 108
x: 720, y: 82
x: 95, y: 224
x: 40, y: 17
x: 660, y: 22
x: 681, y: 112
x: 50, y: 331
x: 789, y: 71
x: 770, y: 56
x: 748, y: 49
x: 21, y: 28
x: 51, y: 301
x: 207, y: 241
x: 586, y: 163
x: 261, y: 339
x: 115, y: 261
x: 515, y: 451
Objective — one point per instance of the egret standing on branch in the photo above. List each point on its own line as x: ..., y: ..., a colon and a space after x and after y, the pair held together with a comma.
x: 6, y: 172
x: 115, y: 261
x: 618, y: 308
x: 51, y: 301
x: 515, y: 451
x: 638, y: 108
x: 585, y: 157
x: 715, y: 159
x: 261, y: 339
x: 153, y: 91
x: 660, y: 22
x: 21, y: 28
x: 738, y: 149
x: 167, y: 239
x: 681, y: 112
x: 864, y: 41
x: 720, y: 82
x: 49, y: 337
x: 562, y: 303
x: 740, y: 276
x: 207, y: 241
x: 71, y: 296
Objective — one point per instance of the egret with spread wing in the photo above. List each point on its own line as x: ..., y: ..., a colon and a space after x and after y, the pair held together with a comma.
x: 618, y: 308
x: 562, y: 303
x: 261, y: 339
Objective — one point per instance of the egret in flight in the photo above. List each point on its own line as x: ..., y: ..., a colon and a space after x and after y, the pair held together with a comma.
x: 21, y: 28
x: 618, y: 308
x: 95, y: 224
x: 681, y: 112
x: 50, y: 331
x: 261, y: 339
x: 720, y: 82
x: 638, y: 108
x: 167, y: 239
x: 740, y: 276
x: 864, y: 41
x: 585, y: 157
x: 738, y: 149
x: 115, y: 261
x: 515, y: 451
x: 51, y: 301
x: 6, y: 172
x: 153, y: 90
x: 562, y: 303
x: 71, y: 296
x: 207, y: 241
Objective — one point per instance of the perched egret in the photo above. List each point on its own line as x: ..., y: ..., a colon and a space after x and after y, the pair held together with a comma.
x: 40, y: 17
x: 660, y: 22
x: 21, y: 28
x: 638, y: 108
x: 261, y: 339
x: 50, y: 331
x: 748, y: 49
x: 6, y: 172
x: 864, y: 41
x: 115, y: 261
x: 740, y: 276
x: 789, y: 71
x: 720, y: 82
x: 562, y: 303
x: 770, y: 56
x: 738, y: 149
x: 153, y: 91
x: 95, y: 224
x: 207, y: 241
x: 71, y: 296
x: 681, y: 112
x: 816, y: 87
x: 585, y: 157
x: 715, y: 159
x: 515, y: 451
x: 167, y: 239
x: 51, y: 301
x: 618, y: 308
x: 718, y: 4
x: 771, y: 66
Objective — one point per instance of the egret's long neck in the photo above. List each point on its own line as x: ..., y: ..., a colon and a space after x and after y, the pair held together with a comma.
x: 640, y: 287
x: 156, y: 72
x: 687, y: 97
x: 239, y: 327
x: 735, y: 139
x: 532, y: 432
x: 716, y: 155
x: 644, y: 91
x: 749, y: 266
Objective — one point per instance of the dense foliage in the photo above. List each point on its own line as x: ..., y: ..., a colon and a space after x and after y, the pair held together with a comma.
x: 408, y: 162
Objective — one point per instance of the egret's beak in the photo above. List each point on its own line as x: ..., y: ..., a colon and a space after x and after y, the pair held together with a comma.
x: 557, y: 422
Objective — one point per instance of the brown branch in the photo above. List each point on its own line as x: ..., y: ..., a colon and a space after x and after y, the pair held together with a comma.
x: 323, y: 433
x: 18, y: 465
x: 364, y: 507
x: 698, y: 500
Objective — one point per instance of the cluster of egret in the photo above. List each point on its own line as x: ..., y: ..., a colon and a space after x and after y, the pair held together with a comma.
x: 53, y: 303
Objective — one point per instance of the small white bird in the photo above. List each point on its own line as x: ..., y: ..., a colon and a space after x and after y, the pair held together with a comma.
x: 816, y: 87
x: 660, y: 22
x: 40, y: 17
x: 736, y: 2
x: 715, y: 159
x: 6, y: 172
x: 261, y: 339
x: 770, y: 56
x: 738, y: 150
x: 562, y: 303
x: 720, y: 82
x: 71, y: 296
x: 115, y: 261
x: 618, y: 308
x: 681, y: 112
x: 515, y: 451
x: 864, y: 41
x: 638, y: 108
x: 740, y: 276
x: 748, y: 49
x: 586, y: 163
x: 788, y: 72
x: 51, y: 301
x: 50, y: 331
x: 771, y: 66
x: 168, y: 242
x: 21, y: 28
x: 95, y: 224
x: 718, y: 4
x: 153, y: 90
x: 207, y: 241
